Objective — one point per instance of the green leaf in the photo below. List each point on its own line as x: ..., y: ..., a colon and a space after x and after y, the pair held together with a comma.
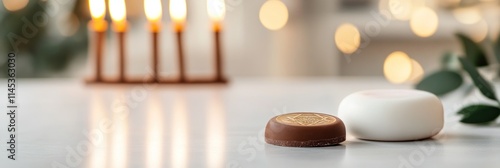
x: 476, y: 114
x: 478, y: 80
x: 473, y: 51
x: 441, y: 82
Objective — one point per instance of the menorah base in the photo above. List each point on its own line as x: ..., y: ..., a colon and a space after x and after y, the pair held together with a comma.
x: 176, y: 81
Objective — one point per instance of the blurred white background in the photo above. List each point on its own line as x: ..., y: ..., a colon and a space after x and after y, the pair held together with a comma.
x: 305, y: 45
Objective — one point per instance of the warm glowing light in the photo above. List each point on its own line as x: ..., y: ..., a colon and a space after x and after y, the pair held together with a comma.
x: 117, y: 9
x: 347, y: 38
x: 470, y: 15
x: 118, y: 12
x: 397, y: 67
x: 479, y: 31
x: 216, y: 137
x: 178, y: 13
x: 424, y: 22
x: 14, y: 5
x: 153, y: 10
x: 417, y: 72
x: 179, y: 133
x: 403, y: 9
x: 273, y: 14
x: 97, y: 9
x: 216, y: 10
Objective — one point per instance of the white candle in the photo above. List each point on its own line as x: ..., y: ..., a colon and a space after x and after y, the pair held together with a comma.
x: 392, y: 115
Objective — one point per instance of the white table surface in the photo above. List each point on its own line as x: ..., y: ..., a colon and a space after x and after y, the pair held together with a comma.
x: 215, y: 126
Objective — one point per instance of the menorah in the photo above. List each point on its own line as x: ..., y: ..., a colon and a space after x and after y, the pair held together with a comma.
x: 98, y: 27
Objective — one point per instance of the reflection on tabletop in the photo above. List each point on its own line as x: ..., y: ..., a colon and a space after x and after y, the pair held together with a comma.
x: 111, y: 138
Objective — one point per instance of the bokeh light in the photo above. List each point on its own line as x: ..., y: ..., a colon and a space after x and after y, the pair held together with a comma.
x: 478, y: 31
x: 347, y: 38
x: 398, y: 67
x: 417, y: 72
x: 469, y: 15
x: 14, y: 5
x: 400, y: 9
x: 273, y: 14
x: 424, y: 22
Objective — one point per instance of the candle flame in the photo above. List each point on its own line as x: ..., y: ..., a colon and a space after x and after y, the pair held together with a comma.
x: 153, y: 10
x: 178, y: 10
x: 216, y: 9
x: 97, y: 9
x: 118, y: 10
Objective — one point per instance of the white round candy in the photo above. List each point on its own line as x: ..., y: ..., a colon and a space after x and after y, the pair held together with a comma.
x: 392, y: 115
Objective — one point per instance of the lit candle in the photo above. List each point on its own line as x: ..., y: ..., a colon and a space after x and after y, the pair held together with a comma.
x: 178, y: 15
x: 98, y: 26
x: 118, y: 15
x: 153, y: 13
x: 216, y: 10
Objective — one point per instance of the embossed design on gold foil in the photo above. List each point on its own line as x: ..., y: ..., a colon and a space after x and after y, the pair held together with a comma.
x: 305, y: 119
